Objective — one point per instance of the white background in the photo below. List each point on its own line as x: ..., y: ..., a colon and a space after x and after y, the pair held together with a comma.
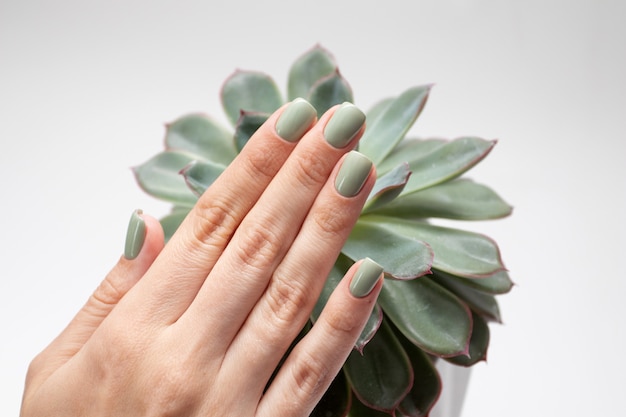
x: 86, y: 86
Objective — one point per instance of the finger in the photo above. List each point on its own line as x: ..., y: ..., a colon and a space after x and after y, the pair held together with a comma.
x: 267, y: 233
x: 316, y: 359
x: 144, y: 242
x: 192, y: 252
x: 297, y: 282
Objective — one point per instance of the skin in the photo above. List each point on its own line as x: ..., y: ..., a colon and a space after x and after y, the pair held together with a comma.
x: 197, y: 327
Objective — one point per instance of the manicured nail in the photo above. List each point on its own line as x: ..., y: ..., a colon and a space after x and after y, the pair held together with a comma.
x: 353, y: 173
x: 365, y: 278
x: 345, y: 123
x: 295, y: 120
x: 135, y: 235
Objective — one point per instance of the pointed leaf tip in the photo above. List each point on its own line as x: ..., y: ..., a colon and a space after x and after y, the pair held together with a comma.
x: 388, y: 187
x: 393, y: 122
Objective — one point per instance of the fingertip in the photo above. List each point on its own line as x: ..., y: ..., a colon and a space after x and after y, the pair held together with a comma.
x: 155, y: 238
x: 366, y: 278
x: 144, y: 238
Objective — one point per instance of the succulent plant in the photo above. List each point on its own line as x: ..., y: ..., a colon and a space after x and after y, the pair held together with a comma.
x: 441, y: 283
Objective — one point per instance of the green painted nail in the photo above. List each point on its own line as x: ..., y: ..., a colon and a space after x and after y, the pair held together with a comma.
x: 352, y: 174
x: 135, y: 235
x: 345, y: 123
x: 295, y: 120
x: 365, y: 278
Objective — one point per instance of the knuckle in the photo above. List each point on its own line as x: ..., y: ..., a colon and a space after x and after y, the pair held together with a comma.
x: 329, y: 223
x: 258, y: 246
x: 261, y: 165
x: 313, y: 169
x: 108, y: 293
x: 213, y: 221
x: 342, y: 321
x: 310, y: 377
x: 288, y: 300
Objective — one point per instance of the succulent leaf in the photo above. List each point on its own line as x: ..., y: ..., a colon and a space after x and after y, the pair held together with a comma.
x: 409, y: 150
x: 247, y: 124
x: 160, y: 177
x: 371, y: 327
x: 479, y: 344
x: 402, y: 257
x: 382, y: 376
x: 199, y: 175
x: 388, y: 187
x: 387, y: 130
x: 202, y: 137
x: 460, y: 199
x: 378, y: 109
x: 358, y: 409
x: 428, y: 315
x: 336, y: 400
x: 458, y: 252
x: 249, y: 91
x: 446, y: 162
x: 328, y: 91
x: 479, y: 302
x: 307, y: 70
x: 498, y: 283
x: 426, y: 385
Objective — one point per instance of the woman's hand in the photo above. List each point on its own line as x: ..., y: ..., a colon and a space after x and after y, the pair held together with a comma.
x: 196, y: 328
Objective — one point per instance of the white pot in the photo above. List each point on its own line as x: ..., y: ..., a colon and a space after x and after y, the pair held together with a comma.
x: 455, y: 380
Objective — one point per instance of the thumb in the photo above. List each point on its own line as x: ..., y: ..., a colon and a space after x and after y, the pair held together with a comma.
x: 144, y: 242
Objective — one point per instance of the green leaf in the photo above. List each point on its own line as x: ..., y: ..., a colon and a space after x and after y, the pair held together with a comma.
x: 479, y: 344
x: 335, y: 276
x: 336, y: 400
x: 358, y: 409
x: 199, y: 175
x: 250, y: 92
x: 426, y: 385
x: 246, y: 126
x: 329, y: 91
x: 460, y: 199
x: 484, y: 304
x: 428, y: 315
x: 446, y: 162
x: 171, y: 221
x: 498, y: 283
x: 458, y: 252
x: 409, y: 149
x: 401, y: 257
x: 202, y: 137
x: 384, y: 133
x: 307, y: 70
x: 378, y: 109
x: 388, y: 187
x: 382, y: 376
x: 160, y: 177
x: 371, y: 327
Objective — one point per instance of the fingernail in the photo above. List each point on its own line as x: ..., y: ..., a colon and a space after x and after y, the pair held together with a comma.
x: 365, y: 278
x: 295, y: 120
x: 345, y: 123
x: 135, y: 235
x: 352, y: 175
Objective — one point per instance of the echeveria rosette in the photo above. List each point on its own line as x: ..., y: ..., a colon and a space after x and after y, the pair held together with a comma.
x: 442, y: 282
